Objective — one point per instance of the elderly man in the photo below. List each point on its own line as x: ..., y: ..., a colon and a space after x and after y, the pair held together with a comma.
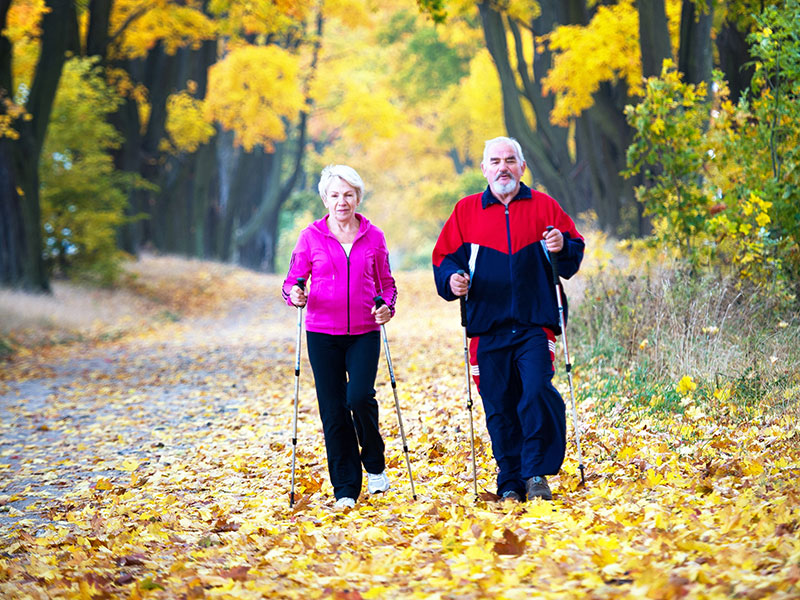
x: 497, y: 239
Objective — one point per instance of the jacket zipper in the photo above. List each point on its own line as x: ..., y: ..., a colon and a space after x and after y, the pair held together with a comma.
x: 347, y: 283
x: 348, y: 291
x: 510, y: 263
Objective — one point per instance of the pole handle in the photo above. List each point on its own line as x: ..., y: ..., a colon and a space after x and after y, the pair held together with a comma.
x: 379, y: 301
x: 463, y: 302
x: 553, y: 262
x: 301, y: 283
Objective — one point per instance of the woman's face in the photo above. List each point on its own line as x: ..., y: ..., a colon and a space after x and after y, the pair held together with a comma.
x: 341, y: 201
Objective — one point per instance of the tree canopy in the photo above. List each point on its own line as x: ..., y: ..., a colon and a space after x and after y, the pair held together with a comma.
x: 210, y: 115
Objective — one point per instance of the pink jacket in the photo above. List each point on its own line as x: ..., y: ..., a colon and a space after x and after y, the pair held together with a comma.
x: 341, y: 288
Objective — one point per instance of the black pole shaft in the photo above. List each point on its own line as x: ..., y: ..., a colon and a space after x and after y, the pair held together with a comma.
x: 463, y: 306
x: 379, y: 301
x: 567, y: 364
x: 301, y: 282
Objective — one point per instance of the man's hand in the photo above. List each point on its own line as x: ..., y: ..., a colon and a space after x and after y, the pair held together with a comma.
x: 459, y: 284
x: 298, y: 296
x: 554, y: 240
x: 382, y: 314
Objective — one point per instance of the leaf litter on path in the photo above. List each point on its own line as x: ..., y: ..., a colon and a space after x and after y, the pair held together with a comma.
x: 157, y: 465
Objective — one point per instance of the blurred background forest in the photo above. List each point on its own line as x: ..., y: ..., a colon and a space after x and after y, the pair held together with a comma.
x: 199, y: 127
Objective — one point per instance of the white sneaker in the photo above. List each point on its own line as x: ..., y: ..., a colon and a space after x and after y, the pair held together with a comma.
x: 377, y: 483
x: 344, y: 502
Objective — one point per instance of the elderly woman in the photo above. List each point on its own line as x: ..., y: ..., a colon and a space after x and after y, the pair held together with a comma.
x: 348, y: 264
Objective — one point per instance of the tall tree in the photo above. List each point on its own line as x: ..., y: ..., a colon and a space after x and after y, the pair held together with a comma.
x: 586, y: 177
x: 21, y: 262
x: 575, y: 65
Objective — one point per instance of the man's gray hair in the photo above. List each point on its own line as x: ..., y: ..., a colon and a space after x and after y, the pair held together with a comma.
x: 343, y: 172
x: 508, y: 140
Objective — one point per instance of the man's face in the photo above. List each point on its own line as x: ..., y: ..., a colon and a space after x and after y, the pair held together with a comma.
x: 502, y: 169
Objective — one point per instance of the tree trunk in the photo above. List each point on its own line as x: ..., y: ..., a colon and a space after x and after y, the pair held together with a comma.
x: 694, y: 54
x: 21, y: 156
x: 97, y: 35
x: 654, y: 39
x: 130, y: 236
x: 257, y: 238
x: 589, y: 176
x: 11, y: 229
x: 734, y: 59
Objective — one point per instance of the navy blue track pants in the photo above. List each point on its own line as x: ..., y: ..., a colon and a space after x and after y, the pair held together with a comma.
x: 525, y: 414
x: 344, y: 369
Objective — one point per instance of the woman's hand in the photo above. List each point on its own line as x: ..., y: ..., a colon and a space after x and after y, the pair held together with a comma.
x: 382, y: 314
x: 298, y: 296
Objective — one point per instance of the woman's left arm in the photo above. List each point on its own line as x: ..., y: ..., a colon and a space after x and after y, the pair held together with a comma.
x: 385, y: 282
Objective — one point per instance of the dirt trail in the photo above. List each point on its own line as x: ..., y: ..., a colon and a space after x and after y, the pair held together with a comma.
x: 70, y: 414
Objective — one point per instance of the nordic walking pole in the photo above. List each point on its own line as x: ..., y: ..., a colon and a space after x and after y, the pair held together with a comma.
x: 568, y: 364
x: 378, y: 303
x: 463, y: 302
x: 301, y: 282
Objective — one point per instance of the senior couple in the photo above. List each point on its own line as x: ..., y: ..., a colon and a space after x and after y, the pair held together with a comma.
x: 491, y: 250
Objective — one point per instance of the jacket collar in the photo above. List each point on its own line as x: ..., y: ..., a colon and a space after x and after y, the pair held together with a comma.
x: 321, y: 225
x: 488, y: 198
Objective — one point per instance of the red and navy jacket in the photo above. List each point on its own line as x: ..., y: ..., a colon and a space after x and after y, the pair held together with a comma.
x: 511, y: 280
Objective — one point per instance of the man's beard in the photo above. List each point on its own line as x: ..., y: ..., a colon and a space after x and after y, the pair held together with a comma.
x: 504, y: 188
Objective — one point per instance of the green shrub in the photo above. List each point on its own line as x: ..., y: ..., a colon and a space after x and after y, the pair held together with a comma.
x: 639, y: 333
x: 723, y: 181
x: 83, y: 196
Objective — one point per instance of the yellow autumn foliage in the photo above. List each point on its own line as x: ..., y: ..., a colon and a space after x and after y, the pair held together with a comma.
x: 251, y: 91
x: 259, y: 17
x: 471, y: 112
x: 144, y: 23
x: 605, y: 50
x: 186, y: 127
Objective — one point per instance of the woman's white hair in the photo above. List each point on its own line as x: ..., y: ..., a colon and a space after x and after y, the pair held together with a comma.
x: 343, y: 172
x: 507, y: 140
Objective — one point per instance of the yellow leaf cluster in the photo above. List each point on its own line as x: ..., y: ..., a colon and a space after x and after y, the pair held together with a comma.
x: 11, y: 112
x: 186, y: 127
x: 24, y: 20
x: 259, y: 17
x: 251, y: 91
x: 174, y: 24
x: 605, y: 50
x: 686, y: 385
x: 524, y: 11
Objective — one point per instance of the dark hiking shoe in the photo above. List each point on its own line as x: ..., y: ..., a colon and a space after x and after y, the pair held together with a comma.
x: 536, y: 487
x: 511, y: 496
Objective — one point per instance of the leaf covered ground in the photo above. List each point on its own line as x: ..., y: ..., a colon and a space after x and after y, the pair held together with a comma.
x: 155, y: 463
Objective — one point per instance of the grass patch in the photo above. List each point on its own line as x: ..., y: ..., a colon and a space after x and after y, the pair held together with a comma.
x: 642, y: 332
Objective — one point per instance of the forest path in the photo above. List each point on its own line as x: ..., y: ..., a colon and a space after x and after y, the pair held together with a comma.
x: 153, y: 461
x: 71, y: 414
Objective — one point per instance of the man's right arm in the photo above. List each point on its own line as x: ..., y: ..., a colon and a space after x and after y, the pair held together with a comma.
x: 449, y: 257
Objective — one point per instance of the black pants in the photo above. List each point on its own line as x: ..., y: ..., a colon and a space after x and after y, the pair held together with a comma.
x: 525, y: 414
x: 344, y: 369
